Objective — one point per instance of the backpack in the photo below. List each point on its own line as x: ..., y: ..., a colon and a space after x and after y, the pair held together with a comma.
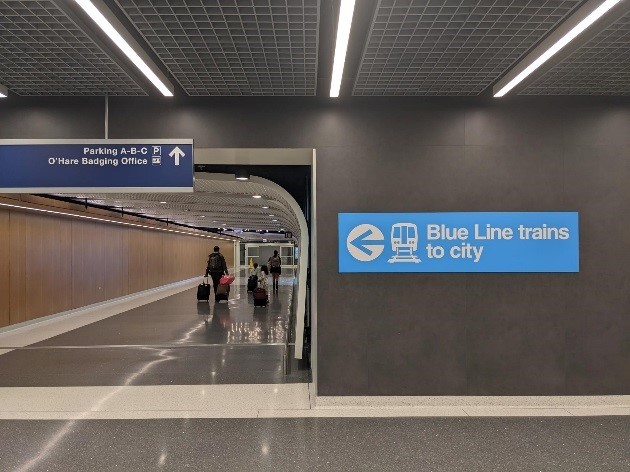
x: 214, y: 262
x: 275, y: 262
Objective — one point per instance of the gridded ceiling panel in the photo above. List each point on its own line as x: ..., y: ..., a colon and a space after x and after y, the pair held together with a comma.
x: 600, y: 67
x: 451, y: 47
x: 233, y: 47
x: 42, y: 52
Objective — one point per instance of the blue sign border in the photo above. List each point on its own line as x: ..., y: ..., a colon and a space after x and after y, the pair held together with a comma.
x: 370, y: 238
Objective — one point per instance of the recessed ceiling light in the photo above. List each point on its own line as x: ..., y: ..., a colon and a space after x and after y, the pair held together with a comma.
x: 274, y: 220
x: 257, y: 196
x: 558, y: 45
x: 124, y: 46
x: 241, y: 175
x: 346, y: 11
x: 265, y: 207
x: 202, y: 216
x: 272, y: 215
x: 163, y: 203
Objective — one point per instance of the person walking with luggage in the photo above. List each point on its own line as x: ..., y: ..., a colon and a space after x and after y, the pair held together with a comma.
x: 255, y: 271
x: 254, y: 275
x: 217, y: 267
x: 261, y: 297
x: 275, y: 267
x: 262, y: 280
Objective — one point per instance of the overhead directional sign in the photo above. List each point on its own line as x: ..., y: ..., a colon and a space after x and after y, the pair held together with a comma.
x: 459, y: 242
x: 67, y: 166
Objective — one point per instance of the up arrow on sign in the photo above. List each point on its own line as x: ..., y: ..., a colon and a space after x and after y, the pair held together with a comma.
x: 177, y: 153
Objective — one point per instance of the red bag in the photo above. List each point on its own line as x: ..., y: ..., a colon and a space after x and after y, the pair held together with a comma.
x: 226, y: 280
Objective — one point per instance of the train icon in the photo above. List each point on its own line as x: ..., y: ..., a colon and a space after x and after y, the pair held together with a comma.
x: 404, y: 239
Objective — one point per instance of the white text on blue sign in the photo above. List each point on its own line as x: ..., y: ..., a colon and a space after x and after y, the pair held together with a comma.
x: 459, y: 242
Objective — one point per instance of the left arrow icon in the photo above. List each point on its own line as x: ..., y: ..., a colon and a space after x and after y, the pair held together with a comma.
x: 177, y: 153
x: 363, y: 242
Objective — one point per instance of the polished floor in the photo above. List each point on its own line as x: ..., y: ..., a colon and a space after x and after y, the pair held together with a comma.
x: 173, y: 341
x: 320, y: 444
x: 181, y: 385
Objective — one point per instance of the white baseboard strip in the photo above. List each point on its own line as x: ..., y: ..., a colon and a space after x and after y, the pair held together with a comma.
x: 39, y: 329
x: 474, y: 401
x: 253, y: 401
x: 146, y: 402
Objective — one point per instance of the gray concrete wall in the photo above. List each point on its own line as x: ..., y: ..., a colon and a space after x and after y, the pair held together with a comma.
x: 438, y: 334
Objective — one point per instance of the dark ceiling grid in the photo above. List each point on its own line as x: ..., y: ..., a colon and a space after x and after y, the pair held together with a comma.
x: 599, y: 67
x: 42, y: 52
x: 229, y: 47
x: 451, y: 47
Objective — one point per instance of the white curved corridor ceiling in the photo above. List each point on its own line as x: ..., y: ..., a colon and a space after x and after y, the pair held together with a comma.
x: 218, y: 201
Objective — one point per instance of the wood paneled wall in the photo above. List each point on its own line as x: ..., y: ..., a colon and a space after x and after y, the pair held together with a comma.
x: 50, y: 264
x: 5, y: 274
x: 38, y: 269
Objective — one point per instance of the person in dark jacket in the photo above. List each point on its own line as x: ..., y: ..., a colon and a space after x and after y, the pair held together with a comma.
x: 217, y: 267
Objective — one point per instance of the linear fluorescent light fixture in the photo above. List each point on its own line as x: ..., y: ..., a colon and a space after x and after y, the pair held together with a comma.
x: 124, y: 46
x: 4, y: 92
x: 575, y: 31
x: 346, y: 11
x: 106, y: 220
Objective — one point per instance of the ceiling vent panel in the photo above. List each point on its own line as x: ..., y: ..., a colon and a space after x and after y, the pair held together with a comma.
x: 42, y: 52
x: 451, y: 47
x: 245, y: 47
x: 599, y: 67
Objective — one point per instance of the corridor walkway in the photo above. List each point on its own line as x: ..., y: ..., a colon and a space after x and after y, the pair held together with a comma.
x: 173, y: 341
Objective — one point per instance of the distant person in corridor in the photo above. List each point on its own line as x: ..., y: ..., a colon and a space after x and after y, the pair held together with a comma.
x: 255, y: 270
x: 216, y: 267
x: 275, y: 267
x: 262, y: 280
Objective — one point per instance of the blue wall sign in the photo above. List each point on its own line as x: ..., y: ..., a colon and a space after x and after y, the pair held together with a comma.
x: 459, y: 242
x: 39, y: 166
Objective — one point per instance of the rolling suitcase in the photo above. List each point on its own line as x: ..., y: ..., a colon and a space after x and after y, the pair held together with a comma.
x: 260, y: 297
x: 203, y: 291
x: 252, y: 283
x: 223, y: 292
